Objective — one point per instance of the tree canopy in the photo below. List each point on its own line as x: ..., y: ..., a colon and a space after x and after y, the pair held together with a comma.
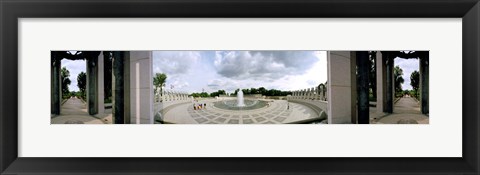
x: 398, y: 79
x: 65, y: 74
x: 415, y: 80
x: 415, y: 83
x: 260, y: 90
x: 82, y: 83
x: 159, y: 81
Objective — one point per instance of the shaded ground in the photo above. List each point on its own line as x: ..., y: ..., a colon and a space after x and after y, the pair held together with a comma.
x: 74, y: 111
x: 405, y: 111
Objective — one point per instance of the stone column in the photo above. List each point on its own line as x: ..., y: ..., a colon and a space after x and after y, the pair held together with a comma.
x: 170, y: 95
x: 163, y: 96
x: 363, y: 73
x: 353, y: 84
x: 100, y: 83
x: 141, y: 87
x: 307, y: 94
x: 92, y: 81
x: 381, y: 80
x: 424, y: 80
x: 389, y: 83
x: 339, y: 87
x: 120, y: 86
x: 320, y: 93
x: 55, y: 85
x: 313, y: 93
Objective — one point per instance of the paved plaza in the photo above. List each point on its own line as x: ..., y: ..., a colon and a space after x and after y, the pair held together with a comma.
x: 74, y: 111
x: 276, y: 112
x: 405, y: 111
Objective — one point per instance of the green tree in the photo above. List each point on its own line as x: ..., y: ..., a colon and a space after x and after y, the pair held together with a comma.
x: 65, y: 74
x: 398, y: 79
x: 159, y: 81
x: 254, y: 91
x: 219, y: 92
x: 262, y: 90
x: 82, y: 83
x: 415, y: 82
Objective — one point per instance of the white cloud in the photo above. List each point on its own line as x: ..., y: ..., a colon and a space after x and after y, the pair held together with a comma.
x: 263, y: 65
x: 174, y: 62
x: 229, y: 70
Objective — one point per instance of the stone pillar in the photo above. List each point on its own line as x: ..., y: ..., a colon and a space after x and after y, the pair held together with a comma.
x: 313, y: 93
x: 363, y: 73
x: 100, y: 83
x: 167, y: 95
x: 353, y: 84
x: 320, y: 93
x: 304, y: 95
x: 381, y: 80
x: 389, y: 83
x: 424, y: 80
x: 55, y: 83
x: 307, y: 94
x: 339, y: 87
x: 141, y: 87
x: 92, y: 81
x: 163, y: 96
x: 120, y: 86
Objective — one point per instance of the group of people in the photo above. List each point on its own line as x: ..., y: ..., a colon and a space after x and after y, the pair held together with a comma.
x: 199, y: 106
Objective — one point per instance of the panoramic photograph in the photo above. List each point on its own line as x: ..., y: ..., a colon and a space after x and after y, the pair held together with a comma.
x: 239, y: 87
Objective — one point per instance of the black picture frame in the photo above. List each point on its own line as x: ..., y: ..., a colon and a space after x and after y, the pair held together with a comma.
x: 11, y: 10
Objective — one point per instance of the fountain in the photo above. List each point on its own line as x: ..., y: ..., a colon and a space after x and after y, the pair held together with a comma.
x: 240, y: 101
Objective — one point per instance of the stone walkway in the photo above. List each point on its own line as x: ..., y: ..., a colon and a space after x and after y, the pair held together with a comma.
x: 274, y: 113
x: 74, y: 111
x: 405, y: 111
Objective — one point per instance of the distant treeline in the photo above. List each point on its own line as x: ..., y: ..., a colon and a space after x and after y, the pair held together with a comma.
x: 260, y: 90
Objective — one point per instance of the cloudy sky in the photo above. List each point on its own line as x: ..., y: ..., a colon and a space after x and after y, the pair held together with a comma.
x: 194, y: 71
x: 74, y: 67
x: 408, y: 66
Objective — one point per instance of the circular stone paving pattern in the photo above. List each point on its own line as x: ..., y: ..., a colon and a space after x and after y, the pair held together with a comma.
x: 272, y: 112
x: 231, y: 104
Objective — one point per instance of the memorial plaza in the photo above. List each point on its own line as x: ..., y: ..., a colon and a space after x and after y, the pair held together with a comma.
x: 129, y: 96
